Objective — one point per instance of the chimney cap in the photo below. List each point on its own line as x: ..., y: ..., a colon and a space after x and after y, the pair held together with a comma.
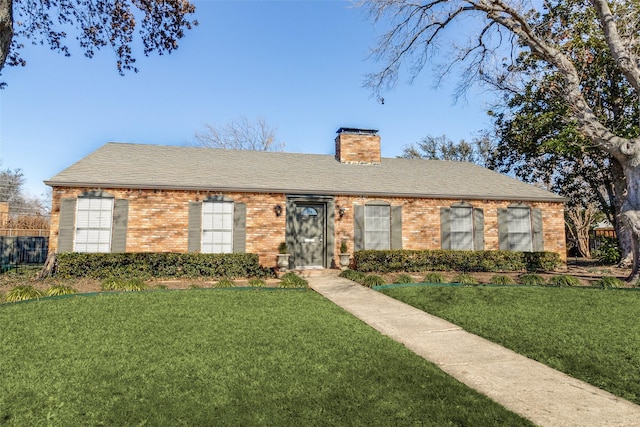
x: 358, y: 131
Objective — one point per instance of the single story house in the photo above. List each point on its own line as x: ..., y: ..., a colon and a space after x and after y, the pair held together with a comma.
x: 150, y: 198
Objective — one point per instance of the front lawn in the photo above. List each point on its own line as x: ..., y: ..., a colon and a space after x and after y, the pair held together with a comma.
x: 218, y: 357
x: 590, y: 334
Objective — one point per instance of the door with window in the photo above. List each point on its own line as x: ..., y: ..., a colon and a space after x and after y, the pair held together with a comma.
x: 310, y: 237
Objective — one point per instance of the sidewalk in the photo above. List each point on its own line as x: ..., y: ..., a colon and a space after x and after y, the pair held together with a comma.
x: 541, y: 394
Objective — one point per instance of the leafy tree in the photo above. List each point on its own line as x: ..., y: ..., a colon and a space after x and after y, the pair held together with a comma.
x: 100, y: 23
x: 501, y: 32
x: 240, y: 134
x: 442, y: 148
x: 540, y: 140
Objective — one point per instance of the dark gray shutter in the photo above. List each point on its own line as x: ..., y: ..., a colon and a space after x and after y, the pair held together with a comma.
x: 195, y: 227
x: 239, y: 227
x: 120, y: 221
x: 358, y: 227
x: 66, y: 224
x: 536, y: 222
x: 396, y: 227
x: 445, y: 228
x: 503, y: 229
x: 478, y: 229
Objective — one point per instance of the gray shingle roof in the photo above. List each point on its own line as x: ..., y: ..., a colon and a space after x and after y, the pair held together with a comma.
x: 120, y: 165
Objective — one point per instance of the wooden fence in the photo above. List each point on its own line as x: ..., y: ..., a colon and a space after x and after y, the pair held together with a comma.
x: 16, y: 250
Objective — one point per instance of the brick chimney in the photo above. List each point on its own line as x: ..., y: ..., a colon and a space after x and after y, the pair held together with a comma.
x: 358, y: 146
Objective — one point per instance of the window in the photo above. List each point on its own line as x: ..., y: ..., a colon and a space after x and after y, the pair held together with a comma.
x: 217, y: 227
x: 519, y: 226
x: 94, y: 217
x: 377, y: 227
x: 461, y: 228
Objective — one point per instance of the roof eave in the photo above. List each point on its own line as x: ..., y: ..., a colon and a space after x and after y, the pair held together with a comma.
x: 557, y: 199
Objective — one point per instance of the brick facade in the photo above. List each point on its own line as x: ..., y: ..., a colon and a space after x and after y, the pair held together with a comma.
x: 158, y: 220
x: 358, y: 148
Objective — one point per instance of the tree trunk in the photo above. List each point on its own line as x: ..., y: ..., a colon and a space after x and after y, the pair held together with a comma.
x: 6, y: 29
x: 631, y: 215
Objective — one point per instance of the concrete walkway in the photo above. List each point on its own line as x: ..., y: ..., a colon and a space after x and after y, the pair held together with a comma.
x: 541, y: 394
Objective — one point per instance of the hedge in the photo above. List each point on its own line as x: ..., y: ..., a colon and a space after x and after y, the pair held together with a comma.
x: 449, y: 260
x: 154, y: 264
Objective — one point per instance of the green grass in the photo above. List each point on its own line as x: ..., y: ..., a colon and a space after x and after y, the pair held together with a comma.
x: 590, y: 334
x: 189, y: 358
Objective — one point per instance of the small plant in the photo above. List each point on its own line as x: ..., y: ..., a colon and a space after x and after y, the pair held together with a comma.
x: 123, y: 285
x: 464, y: 279
x: 343, y: 247
x: 433, y: 278
x: 161, y: 286
x: 22, y: 293
x: 257, y: 282
x: 609, y: 282
x: 608, y: 251
x: 225, y: 283
x: 112, y: 284
x: 500, y: 279
x: 356, y: 276
x: 532, y: 280
x: 292, y: 280
x: 373, y: 280
x: 282, y: 248
x: 195, y: 286
x: 403, y: 278
x: 134, y: 285
x: 564, y: 281
x: 57, y: 290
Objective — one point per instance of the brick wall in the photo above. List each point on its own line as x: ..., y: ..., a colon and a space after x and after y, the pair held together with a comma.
x: 421, y: 222
x: 358, y: 148
x: 158, y: 221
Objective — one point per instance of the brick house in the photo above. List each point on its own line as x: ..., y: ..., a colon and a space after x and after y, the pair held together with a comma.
x: 149, y: 198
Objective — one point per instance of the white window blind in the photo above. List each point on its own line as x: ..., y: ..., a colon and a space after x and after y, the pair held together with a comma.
x: 377, y: 227
x: 461, y: 223
x: 520, y: 229
x: 217, y: 227
x: 94, y: 218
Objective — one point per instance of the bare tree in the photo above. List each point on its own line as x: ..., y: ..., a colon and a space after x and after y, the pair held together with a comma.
x: 442, y: 148
x: 499, y: 32
x: 100, y: 23
x: 240, y: 134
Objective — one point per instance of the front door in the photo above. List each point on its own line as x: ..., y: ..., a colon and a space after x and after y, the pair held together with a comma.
x: 310, y: 239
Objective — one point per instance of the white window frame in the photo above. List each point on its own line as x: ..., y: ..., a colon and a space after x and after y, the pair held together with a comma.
x: 217, y: 227
x: 94, y: 224
x: 461, y: 228
x: 377, y: 227
x: 520, y: 229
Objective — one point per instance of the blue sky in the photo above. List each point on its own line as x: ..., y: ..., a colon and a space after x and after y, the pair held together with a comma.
x: 300, y: 65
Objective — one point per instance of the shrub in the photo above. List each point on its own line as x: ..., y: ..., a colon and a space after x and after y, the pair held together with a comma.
x: 195, y: 286
x: 150, y: 264
x: 433, y: 278
x: 608, y: 251
x: 56, y: 290
x: 609, y: 282
x: 532, y: 280
x: 356, y: 276
x: 464, y: 279
x: 403, y: 278
x: 161, y: 286
x: 373, y: 280
x: 292, y: 280
x: 564, y: 281
x: 22, y: 293
x: 257, y: 282
x: 225, y: 283
x: 500, y: 279
x: 449, y: 260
